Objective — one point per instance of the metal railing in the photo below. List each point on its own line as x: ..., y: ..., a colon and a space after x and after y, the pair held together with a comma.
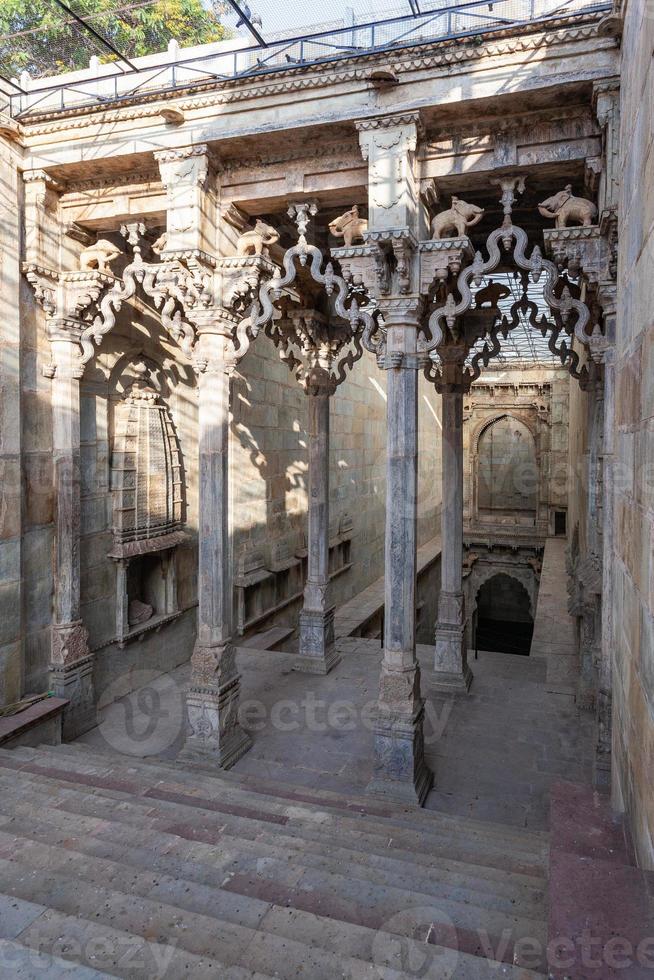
x: 110, y: 83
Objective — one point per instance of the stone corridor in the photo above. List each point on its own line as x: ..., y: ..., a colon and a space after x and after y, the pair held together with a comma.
x: 326, y: 360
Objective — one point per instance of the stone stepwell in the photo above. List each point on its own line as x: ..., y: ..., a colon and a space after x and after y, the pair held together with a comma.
x: 112, y: 866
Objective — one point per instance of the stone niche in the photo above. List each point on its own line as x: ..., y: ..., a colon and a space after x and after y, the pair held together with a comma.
x: 148, y: 508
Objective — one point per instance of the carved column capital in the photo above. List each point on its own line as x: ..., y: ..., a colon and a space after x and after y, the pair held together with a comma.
x: 185, y: 164
x: 185, y: 176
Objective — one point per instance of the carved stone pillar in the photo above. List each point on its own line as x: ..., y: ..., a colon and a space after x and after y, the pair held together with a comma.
x: 317, y: 649
x: 451, y: 670
x: 602, y: 774
x: 71, y: 667
x: 214, y: 733
x: 400, y: 771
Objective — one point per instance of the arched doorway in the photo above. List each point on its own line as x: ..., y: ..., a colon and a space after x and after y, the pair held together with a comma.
x: 507, y: 472
x: 504, y: 621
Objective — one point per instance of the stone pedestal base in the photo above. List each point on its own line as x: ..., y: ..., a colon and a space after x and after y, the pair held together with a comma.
x: 214, y: 735
x: 452, y: 673
x: 400, y: 773
x: 74, y: 682
x: 318, y: 652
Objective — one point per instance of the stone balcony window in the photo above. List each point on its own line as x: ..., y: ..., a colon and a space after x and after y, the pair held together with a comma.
x: 148, y: 494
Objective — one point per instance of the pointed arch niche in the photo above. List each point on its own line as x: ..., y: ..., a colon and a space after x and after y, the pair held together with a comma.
x: 506, y: 472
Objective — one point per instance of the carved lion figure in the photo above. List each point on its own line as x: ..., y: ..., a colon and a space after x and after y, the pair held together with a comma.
x: 256, y: 241
x: 98, y: 256
x: 349, y: 226
x: 459, y: 217
x: 565, y: 207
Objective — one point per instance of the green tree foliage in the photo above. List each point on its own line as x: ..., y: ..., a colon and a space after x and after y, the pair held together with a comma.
x: 39, y: 37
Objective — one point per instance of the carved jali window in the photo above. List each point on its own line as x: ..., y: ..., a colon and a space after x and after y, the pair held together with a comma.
x: 147, y: 467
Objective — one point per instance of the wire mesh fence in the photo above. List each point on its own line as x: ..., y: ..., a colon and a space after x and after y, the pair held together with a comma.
x: 64, y: 53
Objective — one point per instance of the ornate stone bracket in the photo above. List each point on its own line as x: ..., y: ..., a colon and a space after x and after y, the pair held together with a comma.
x: 584, y: 251
x: 311, y: 342
x: 70, y: 300
x: 570, y: 315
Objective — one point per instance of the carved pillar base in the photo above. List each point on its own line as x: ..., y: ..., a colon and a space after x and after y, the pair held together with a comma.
x: 214, y: 735
x: 74, y: 681
x: 452, y: 672
x: 400, y: 773
x: 602, y: 766
x: 317, y: 648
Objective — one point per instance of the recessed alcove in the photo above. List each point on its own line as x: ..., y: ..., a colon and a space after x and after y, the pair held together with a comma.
x: 148, y: 505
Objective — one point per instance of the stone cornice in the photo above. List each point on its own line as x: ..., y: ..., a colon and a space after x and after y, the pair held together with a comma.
x: 41, y: 176
x: 110, y: 181
x: 390, y: 121
x: 431, y: 55
x: 181, y: 153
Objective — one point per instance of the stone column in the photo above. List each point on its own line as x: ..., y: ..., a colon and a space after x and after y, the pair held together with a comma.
x: 71, y: 667
x: 602, y: 774
x: 451, y: 670
x: 400, y: 772
x: 317, y: 648
x: 214, y: 734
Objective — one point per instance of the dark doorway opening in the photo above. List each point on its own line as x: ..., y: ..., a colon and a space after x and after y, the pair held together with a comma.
x: 560, y: 523
x: 504, y: 620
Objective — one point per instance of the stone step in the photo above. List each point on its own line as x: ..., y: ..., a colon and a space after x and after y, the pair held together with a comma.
x: 277, y: 880
x: 434, y: 872
x: 171, y: 819
x: 359, y: 833
x: 268, y: 639
x: 23, y: 963
x: 174, y: 781
x: 413, y: 816
x: 47, y: 824
x: 230, y: 945
x: 71, y: 939
x: 257, y: 883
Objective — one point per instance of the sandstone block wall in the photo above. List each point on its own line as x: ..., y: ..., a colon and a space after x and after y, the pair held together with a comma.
x: 633, y: 672
x: 11, y: 514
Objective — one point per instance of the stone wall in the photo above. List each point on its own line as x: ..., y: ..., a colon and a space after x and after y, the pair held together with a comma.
x: 577, y: 468
x: 11, y: 515
x: 633, y: 674
x: 269, y: 467
x: 535, y: 397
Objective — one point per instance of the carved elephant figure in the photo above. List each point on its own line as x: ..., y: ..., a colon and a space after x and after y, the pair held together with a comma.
x: 349, y: 226
x: 256, y: 241
x: 98, y: 256
x: 459, y: 217
x: 160, y: 245
x: 565, y: 207
x: 491, y: 294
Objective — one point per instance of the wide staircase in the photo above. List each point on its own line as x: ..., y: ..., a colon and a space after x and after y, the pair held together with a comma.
x: 144, y: 869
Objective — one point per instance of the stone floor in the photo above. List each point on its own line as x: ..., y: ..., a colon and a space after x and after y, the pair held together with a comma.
x: 495, y: 752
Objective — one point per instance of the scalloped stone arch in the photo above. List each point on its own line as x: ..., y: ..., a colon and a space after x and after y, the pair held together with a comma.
x: 489, y: 421
x: 482, y: 429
